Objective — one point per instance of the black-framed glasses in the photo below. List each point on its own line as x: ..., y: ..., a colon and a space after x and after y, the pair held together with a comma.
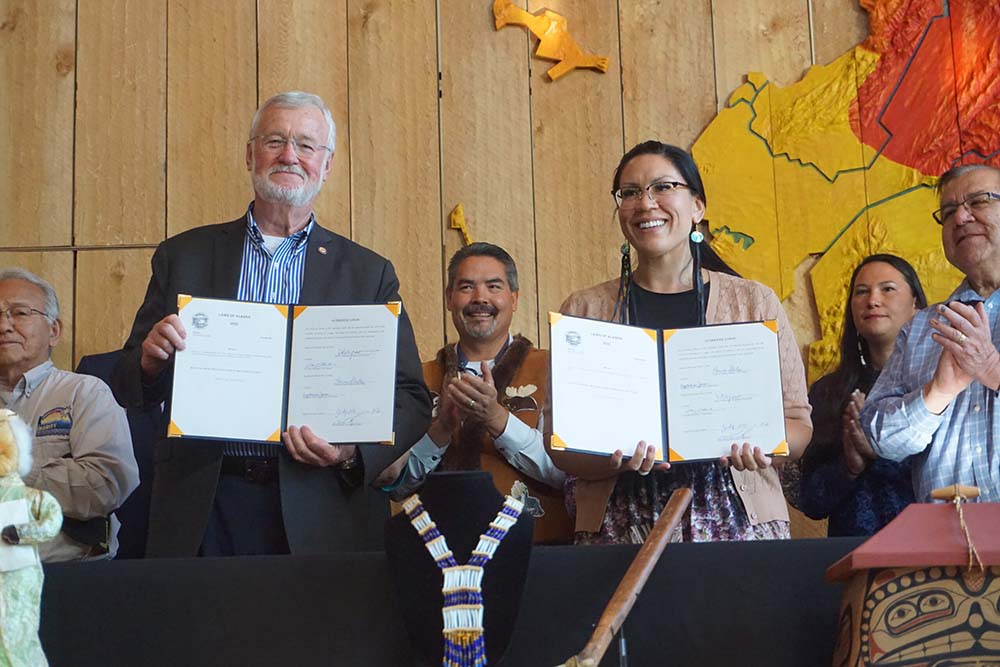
x: 977, y: 201
x: 304, y: 148
x: 630, y: 195
x: 18, y: 314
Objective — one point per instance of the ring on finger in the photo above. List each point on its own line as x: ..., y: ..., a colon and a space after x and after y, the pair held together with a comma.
x: 643, y: 472
x: 472, y: 402
x: 961, y: 338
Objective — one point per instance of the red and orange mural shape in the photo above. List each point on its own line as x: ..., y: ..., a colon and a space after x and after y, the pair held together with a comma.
x: 813, y: 176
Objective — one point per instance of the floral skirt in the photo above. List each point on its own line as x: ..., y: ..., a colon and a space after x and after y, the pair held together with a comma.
x: 716, y: 512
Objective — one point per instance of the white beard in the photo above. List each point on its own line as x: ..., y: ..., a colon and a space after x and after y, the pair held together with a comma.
x: 298, y: 196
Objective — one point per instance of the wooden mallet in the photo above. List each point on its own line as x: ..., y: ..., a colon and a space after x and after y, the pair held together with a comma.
x: 631, y: 584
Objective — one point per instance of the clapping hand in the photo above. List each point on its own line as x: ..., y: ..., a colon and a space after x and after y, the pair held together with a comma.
x: 857, y: 450
x: 967, y: 353
x: 476, y: 399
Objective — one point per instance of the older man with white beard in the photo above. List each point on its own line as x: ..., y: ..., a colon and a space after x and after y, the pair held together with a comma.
x: 232, y: 498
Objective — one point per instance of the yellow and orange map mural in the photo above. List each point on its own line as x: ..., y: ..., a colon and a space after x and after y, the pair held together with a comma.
x: 843, y: 163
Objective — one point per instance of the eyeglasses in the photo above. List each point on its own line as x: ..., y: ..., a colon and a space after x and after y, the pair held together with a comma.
x: 977, y: 201
x: 19, y: 314
x: 304, y: 148
x: 631, y: 195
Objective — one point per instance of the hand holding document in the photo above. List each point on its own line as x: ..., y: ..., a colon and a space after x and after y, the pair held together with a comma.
x: 691, y: 393
x: 250, y: 369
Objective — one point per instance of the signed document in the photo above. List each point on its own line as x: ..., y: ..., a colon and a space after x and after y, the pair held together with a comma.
x: 343, y: 371
x: 229, y: 380
x: 691, y: 393
x: 723, y: 386
x: 249, y: 370
x: 606, y: 386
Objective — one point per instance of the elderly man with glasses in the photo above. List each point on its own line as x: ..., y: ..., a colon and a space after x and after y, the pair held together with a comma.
x: 82, y: 449
x: 937, y: 398
x: 215, y: 498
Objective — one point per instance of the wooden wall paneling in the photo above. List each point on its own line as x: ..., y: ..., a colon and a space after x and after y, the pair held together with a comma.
x: 668, y: 72
x: 395, y: 164
x: 121, y: 123
x: 577, y: 130
x: 211, y: 98
x: 57, y: 268
x: 302, y: 45
x: 110, y: 285
x: 37, y: 68
x: 837, y: 25
x: 769, y: 36
x: 486, y: 144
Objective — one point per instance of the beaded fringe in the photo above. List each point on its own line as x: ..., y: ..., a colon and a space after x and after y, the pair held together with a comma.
x: 462, y: 612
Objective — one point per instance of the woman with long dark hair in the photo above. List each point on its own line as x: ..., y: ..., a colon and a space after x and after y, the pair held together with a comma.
x: 679, y: 282
x: 842, y: 479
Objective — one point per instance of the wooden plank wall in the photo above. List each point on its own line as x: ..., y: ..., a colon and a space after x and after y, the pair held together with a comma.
x: 125, y: 121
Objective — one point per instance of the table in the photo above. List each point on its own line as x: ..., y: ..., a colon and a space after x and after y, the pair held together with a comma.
x: 762, y: 603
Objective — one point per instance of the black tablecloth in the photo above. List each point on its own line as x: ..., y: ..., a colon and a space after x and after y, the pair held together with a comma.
x: 759, y: 603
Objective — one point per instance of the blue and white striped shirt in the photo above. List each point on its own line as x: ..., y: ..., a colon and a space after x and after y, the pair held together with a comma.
x: 273, y: 278
x: 959, y: 446
x: 269, y: 278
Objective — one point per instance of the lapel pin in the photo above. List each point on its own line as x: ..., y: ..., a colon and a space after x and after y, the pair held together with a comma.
x: 322, y: 250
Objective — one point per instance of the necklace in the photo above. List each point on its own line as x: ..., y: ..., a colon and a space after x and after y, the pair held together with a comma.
x: 464, y: 645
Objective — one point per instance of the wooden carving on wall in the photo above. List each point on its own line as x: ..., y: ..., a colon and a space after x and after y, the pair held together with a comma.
x: 554, y: 40
x: 456, y: 220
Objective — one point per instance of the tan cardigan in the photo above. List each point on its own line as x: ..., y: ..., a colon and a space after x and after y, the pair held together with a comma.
x: 730, y: 299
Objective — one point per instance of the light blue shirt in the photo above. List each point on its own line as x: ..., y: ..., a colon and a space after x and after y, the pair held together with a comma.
x: 959, y: 446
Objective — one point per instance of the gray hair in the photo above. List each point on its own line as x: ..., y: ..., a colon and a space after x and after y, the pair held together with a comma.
x: 51, y: 300
x: 296, y: 99
x: 953, y: 173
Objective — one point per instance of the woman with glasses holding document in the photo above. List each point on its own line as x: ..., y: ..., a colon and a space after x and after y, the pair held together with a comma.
x: 678, y: 282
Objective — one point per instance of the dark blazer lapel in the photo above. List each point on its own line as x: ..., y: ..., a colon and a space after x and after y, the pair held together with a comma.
x: 227, y: 258
x: 319, y: 266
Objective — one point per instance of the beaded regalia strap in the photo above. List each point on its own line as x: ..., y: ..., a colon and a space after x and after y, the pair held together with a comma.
x: 464, y: 645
